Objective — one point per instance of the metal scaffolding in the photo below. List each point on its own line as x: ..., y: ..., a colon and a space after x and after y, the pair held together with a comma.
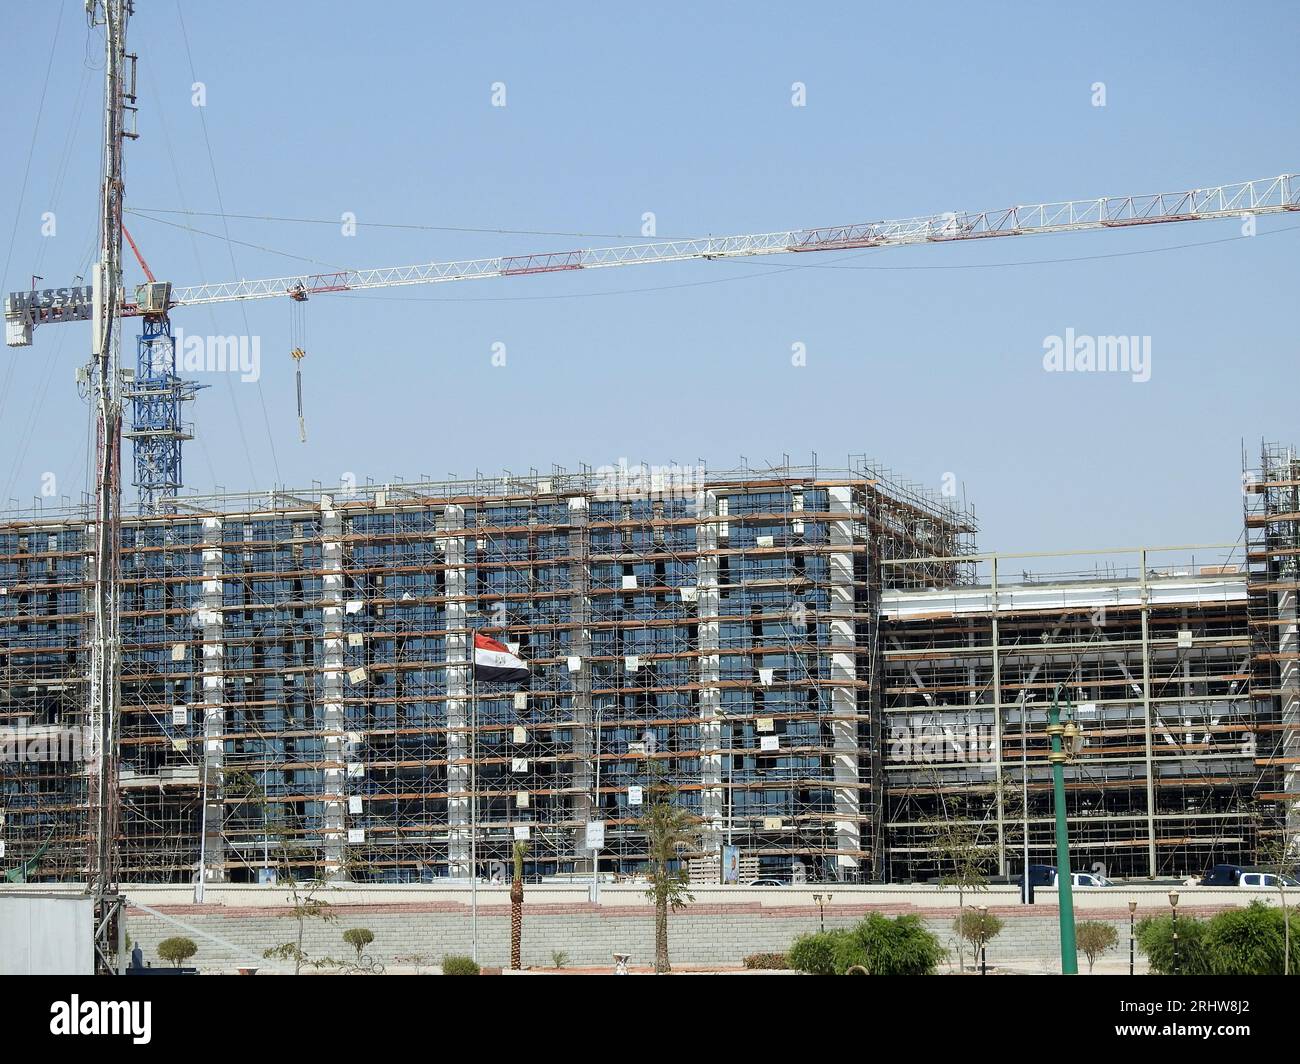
x: 815, y: 658
x: 1151, y: 648
x: 1272, y: 516
x: 295, y: 670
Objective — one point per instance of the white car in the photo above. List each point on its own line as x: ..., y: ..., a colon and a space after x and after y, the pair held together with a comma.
x: 1090, y: 879
x: 1265, y: 879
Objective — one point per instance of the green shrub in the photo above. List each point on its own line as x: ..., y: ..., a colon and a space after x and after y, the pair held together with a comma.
x: 767, y: 962
x: 456, y: 964
x: 1155, y: 940
x: 815, y: 953
x: 1095, y: 937
x: 1249, y: 941
x: 358, y: 938
x: 176, y: 951
x: 901, y: 946
x: 559, y: 958
x: 848, y: 952
x: 881, y: 945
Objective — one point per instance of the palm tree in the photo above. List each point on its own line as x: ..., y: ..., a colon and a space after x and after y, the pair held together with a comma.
x: 669, y: 830
x: 517, y: 908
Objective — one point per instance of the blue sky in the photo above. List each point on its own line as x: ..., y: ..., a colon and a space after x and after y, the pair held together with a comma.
x: 928, y: 359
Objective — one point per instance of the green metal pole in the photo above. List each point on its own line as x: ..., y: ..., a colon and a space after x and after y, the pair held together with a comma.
x: 1064, y: 884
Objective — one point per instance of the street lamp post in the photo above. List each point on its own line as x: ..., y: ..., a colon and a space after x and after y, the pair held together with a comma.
x: 1060, y: 733
x: 822, y: 900
x: 1173, y: 923
x: 984, y: 942
x: 1132, y: 910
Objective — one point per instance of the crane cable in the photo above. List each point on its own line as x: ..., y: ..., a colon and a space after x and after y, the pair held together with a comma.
x: 298, y: 349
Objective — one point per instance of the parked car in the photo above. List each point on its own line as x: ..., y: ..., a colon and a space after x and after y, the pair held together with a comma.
x: 1222, y: 875
x: 1090, y: 879
x: 765, y: 883
x: 1045, y: 876
x: 1040, y: 875
x: 1266, y: 879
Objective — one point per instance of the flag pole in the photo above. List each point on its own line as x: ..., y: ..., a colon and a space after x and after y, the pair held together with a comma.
x: 473, y: 802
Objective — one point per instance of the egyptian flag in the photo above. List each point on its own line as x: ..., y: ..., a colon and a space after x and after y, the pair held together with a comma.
x: 494, y: 663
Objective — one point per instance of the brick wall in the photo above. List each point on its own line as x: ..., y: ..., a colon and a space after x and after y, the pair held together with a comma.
x: 699, y: 935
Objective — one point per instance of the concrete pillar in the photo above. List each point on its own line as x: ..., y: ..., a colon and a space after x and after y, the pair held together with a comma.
x: 842, y: 653
x: 451, y: 542
x: 714, y: 801
x: 210, y: 621
x: 333, y: 678
x: 584, y: 717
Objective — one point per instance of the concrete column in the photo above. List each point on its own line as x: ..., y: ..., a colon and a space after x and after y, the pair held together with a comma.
x: 584, y: 717
x: 842, y: 652
x: 451, y: 541
x: 210, y: 622
x: 333, y: 669
x: 713, y: 800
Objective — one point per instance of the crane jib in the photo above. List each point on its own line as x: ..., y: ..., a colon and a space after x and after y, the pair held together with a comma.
x: 25, y: 310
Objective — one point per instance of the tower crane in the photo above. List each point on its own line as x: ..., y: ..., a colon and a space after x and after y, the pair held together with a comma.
x: 157, y: 392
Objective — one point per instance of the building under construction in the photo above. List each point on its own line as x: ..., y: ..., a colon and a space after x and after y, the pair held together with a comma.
x: 818, y: 661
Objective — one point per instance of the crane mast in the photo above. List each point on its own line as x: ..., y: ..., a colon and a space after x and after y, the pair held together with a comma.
x: 105, y: 387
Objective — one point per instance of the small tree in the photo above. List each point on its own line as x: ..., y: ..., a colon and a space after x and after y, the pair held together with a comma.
x: 669, y: 831
x: 1093, y: 938
x: 176, y: 951
x: 289, y: 856
x: 306, y: 906
x: 964, y: 852
x: 1281, y: 851
x: 358, y: 938
x: 978, y: 928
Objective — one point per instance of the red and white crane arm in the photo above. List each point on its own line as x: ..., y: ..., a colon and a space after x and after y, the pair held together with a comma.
x: 1264, y: 196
